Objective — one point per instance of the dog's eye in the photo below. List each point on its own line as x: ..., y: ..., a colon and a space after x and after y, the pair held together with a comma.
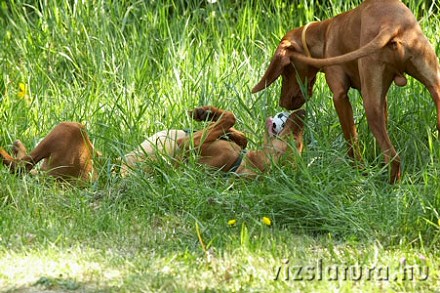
x: 274, y: 125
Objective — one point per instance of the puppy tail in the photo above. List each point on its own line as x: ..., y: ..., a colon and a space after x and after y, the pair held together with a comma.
x: 7, y: 159
x: 16, y: 165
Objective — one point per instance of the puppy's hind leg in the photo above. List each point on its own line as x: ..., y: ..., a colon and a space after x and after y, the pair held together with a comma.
x: 19, y: 150
x: 161, y: 143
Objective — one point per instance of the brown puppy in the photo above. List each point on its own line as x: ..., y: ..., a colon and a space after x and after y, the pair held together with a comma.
x: 223, y: 154
x: 366, y: 48
x: 66, y: 150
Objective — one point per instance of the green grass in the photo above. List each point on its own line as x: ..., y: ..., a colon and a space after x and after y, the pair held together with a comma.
x: 130, y: 68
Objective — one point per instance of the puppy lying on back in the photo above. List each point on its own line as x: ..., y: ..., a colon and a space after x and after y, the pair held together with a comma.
x: 220, y: 145
x: 67, y: 153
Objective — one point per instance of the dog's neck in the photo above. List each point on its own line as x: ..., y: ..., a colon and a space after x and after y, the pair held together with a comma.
x: 304, y: 40
x: 313, y: 38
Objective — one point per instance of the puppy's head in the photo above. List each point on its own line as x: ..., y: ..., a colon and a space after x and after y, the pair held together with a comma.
x: 293, y: 128
x: 298, y: 77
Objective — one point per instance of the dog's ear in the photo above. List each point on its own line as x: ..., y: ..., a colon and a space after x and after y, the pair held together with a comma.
x: 280, y: 59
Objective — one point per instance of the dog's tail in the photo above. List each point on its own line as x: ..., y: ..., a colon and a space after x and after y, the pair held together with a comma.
x: 7, y: 159
x: 288, y: 50
x: 381, y: 40
x: 16, y: 164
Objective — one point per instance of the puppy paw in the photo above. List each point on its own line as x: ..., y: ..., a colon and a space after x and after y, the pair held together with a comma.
x: 18, y: 149
x: 239, y: 138
x: 205, y: 113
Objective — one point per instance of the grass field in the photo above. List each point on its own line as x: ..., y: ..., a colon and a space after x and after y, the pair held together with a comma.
x: 127, y: 69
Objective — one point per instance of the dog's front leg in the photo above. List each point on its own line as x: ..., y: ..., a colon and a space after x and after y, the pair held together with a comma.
x: 238, y: 137
x: 345, y: 114
x: 224, y: 120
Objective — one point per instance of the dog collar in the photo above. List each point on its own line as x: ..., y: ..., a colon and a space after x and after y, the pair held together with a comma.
x: 237, y: 163
x: 303, y: 39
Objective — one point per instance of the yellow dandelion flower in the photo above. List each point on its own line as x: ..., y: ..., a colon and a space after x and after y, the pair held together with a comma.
x: 232, y: 222
x: 438, y: 222
x: 22, y: 90
x: 266, y: 221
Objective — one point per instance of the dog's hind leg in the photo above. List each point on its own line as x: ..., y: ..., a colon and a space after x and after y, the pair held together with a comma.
x: 161, y: 143
x: 376, y: 80
x: 19, y: 149
x: 424, y: 66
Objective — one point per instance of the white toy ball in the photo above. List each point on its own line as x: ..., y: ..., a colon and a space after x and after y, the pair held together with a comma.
x: 277, y: 123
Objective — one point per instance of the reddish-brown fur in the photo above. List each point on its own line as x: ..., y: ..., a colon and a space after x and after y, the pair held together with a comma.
x: 223, y: 154
x: 67, y: 153
x: 366, y: 48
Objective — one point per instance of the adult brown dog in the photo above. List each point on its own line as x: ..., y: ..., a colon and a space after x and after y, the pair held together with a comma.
x: 366, y: 48
x: 214, y: 150
x: 67, y: 153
